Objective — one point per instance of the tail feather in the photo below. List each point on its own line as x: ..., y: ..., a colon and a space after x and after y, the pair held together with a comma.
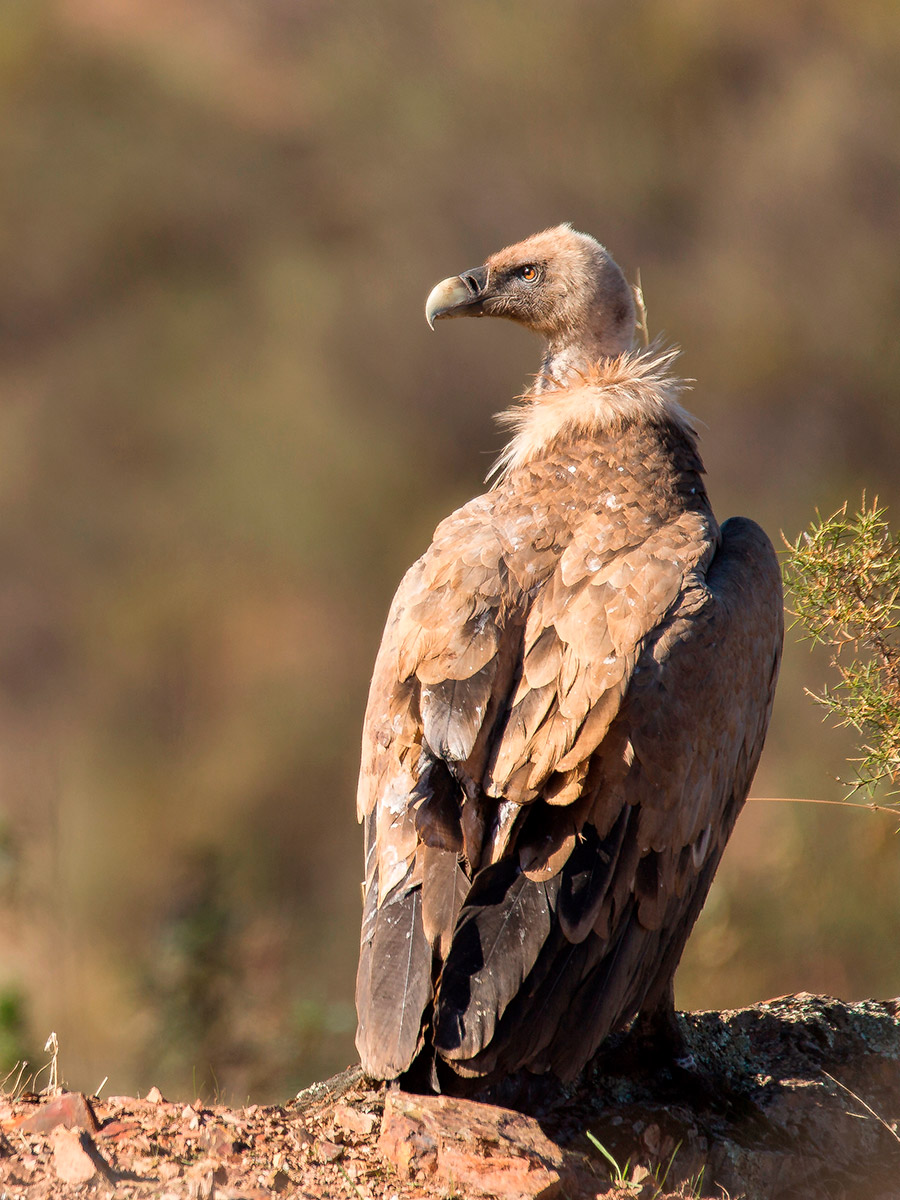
x: 393, y: 985
x: 504, y: 922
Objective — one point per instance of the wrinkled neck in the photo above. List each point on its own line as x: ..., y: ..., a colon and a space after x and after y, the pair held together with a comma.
x: 565, y: 364
x: 574, y: 353
x: 568, y: 362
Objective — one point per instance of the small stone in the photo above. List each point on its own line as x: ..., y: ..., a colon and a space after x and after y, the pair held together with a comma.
x: 351, y: 1120
x: 301, y: 1135
x: 71, y: 1161
x: 115, y: 1131
x: 652, y: 1139
x: 155, y: 1096
x: 201, y: 1184
x: 217, y: 1142
x: 329, y: 1151
x: 191, y: 1114
x: 71, y: 1110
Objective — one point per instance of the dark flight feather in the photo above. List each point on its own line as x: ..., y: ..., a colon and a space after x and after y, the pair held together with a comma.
x: 438, y: 822
x: 399, y: 981
x: 503, y: 925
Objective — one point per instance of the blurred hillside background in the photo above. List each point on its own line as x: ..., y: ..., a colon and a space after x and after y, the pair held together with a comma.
x: 225, y: 431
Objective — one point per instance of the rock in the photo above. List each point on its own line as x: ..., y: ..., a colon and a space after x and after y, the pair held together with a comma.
x: 192, y: 1114
x: 70, y: 1109
x: 71, y: 1161
x: 351, y: 1120
x: 301, y: 1134
x: 328, y: 1151
x: 329, y: 1089
x: 154, y: 1096
x: 278, y: 1181
x: 798, y: 1097
x: 759, y: 1109
x: 203, y: 1179
x: 217, y: 1142
x: 117, y: 1131
x: 493, y: 1151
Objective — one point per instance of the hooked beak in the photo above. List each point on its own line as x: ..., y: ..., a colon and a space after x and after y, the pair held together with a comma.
x: 458, y: 296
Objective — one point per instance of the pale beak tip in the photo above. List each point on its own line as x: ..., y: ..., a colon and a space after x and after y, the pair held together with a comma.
x: 446, y: 296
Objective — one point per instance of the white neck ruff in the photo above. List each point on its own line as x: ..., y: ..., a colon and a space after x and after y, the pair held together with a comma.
x: 616, y: 392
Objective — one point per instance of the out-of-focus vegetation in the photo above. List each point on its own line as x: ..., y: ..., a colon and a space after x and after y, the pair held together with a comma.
x: 844, y: 576
x: 226, y: 430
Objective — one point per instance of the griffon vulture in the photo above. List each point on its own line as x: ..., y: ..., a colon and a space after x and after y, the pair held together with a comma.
x: 567, y: 708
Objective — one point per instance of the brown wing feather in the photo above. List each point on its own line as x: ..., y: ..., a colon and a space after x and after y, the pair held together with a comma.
x: 391, y: 1034
x: 718, y: 652
x: 432, y: 687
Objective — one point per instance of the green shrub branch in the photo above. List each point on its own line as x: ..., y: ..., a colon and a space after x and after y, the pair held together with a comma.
x: 843, y: 574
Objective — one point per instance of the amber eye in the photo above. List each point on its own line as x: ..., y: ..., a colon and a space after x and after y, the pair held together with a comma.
x: 528, y: 273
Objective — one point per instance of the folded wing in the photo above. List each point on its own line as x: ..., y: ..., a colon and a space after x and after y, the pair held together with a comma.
x: 559, y: 735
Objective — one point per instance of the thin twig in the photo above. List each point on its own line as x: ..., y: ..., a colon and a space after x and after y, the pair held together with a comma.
x: 812, y: 800
x: 15, y: 1087
x: 891, y: 1130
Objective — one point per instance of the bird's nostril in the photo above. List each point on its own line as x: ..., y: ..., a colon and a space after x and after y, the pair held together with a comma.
x: 472, y: 283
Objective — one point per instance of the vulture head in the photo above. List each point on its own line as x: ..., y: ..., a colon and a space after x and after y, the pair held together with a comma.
x: 560, y: 283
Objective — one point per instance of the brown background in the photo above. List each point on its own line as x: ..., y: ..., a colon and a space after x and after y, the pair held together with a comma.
x: 225, y: 431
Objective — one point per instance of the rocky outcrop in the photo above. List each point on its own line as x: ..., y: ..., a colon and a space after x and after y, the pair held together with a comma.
x: 794, y: 1099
